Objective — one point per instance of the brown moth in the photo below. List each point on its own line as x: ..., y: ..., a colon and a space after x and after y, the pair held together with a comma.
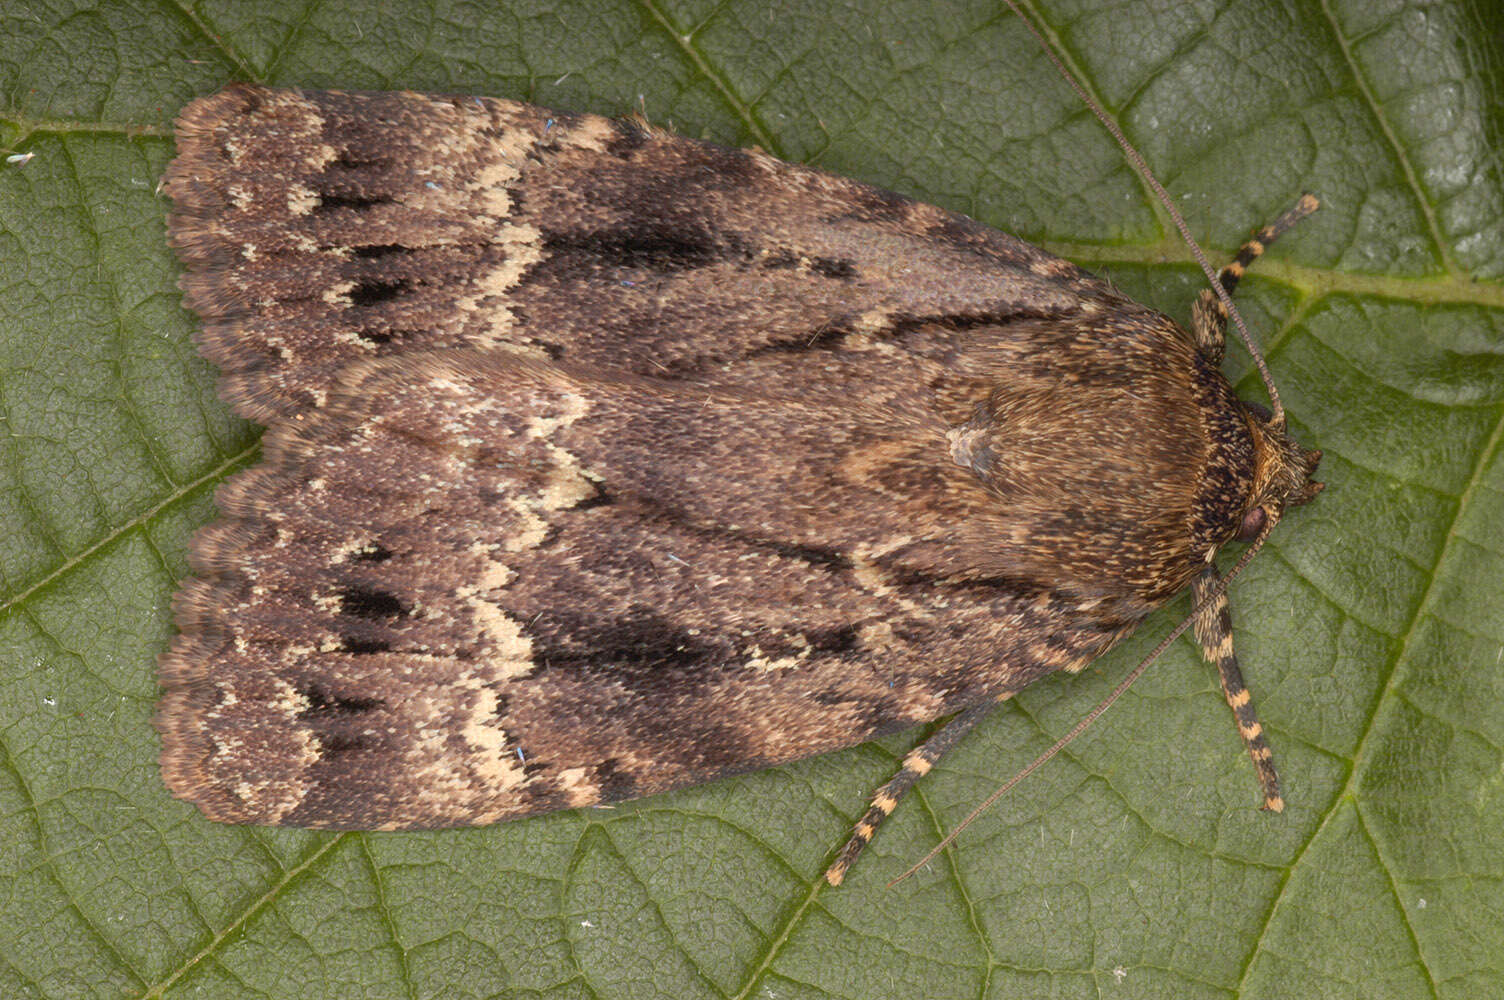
x: 603, y: 461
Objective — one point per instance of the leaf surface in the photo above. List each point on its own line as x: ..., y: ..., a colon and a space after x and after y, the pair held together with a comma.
x: 1137, y: 864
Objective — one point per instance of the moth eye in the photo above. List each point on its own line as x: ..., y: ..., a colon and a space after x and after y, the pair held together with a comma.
x: 1253, y: 523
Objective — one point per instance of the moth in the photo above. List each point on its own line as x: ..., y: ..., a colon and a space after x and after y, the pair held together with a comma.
x: 602, y: 461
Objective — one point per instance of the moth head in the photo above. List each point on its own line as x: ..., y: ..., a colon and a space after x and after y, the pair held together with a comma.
x: 1282, y: 474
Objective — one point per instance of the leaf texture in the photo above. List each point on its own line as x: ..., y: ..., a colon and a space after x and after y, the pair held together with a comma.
x: 1138, y: 863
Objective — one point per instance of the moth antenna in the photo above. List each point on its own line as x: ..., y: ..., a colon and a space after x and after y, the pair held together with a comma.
x: 1276, y: 408
x: 1102, y: 706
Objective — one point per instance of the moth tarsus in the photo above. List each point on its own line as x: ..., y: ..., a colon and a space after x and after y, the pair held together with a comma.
x: 916, y: 764
x: 662, y: 460
x: 1214, y: 633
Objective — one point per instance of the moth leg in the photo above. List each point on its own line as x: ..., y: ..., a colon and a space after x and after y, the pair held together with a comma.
x: 1209, y: 315
x: 1214, y: 632
x: 915, y: 766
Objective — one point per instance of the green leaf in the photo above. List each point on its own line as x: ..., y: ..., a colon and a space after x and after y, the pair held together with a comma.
x: 1137, y: 864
